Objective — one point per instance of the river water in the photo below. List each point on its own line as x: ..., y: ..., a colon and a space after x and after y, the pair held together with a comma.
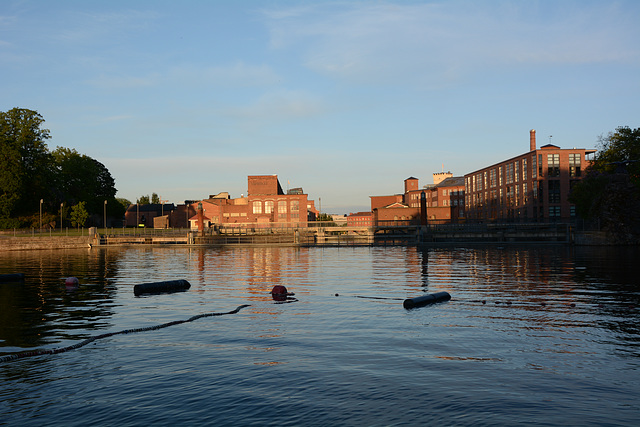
x: 538, y: 335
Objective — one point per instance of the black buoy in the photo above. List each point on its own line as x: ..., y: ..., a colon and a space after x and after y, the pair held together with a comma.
x: 161, y: 287
x: 426, y: 299
x: 16, y: 277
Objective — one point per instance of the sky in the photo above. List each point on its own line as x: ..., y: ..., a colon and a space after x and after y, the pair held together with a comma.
x: 345, y: 99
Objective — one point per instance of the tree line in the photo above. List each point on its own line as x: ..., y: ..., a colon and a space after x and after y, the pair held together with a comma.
x: 62, y: 184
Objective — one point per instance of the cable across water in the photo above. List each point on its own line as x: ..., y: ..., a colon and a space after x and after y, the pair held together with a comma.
x: 40, y: 352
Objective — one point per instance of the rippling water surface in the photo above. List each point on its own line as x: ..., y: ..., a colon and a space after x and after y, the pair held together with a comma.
x: 540, y: 335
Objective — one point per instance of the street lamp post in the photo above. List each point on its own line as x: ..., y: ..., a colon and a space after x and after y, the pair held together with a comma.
x: 41, y: 214
x: 61, y: 210
x: 105, y: 217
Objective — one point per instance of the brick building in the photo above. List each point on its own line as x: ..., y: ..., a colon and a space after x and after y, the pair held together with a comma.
x: 360, y: 219
x: 444, y: 201
x: 265, y: 203
x: 533, y: 186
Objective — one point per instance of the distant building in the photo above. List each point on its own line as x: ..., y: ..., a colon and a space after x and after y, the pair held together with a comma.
x: 444, y: 201
x: 360, y: 219
x: 533, y: 186
x: 265, y: 203
x: 339, y: 220
x: 138, y: 215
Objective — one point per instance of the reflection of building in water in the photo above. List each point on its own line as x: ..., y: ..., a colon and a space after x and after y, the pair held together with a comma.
x: 253, y: 269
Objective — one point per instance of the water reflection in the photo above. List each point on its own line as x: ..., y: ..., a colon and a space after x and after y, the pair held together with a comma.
x: 557, y: 331
x: 41, y: 310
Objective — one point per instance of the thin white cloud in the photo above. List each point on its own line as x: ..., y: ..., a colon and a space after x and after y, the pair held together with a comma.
x: 87, y: 28
x: 124, y: 82
x: 238, y: 74
x: 386, y: 41
x: 278, y: 105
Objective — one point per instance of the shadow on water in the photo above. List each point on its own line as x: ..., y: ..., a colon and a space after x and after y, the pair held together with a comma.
x: 41, y: 310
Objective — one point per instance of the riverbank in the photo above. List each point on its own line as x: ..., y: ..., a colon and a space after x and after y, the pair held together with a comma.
x: 44, y: 243
x: 26, y: 243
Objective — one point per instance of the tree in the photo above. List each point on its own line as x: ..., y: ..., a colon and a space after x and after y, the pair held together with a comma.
x: 79, y: 215
x: 143, y: 200
x: 155, y: 199
x: 610, y: 191
x: 25, y: 162
x: 80, y: 177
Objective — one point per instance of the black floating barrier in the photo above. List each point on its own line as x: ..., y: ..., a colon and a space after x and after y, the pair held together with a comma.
x: 426, y: 299
x: 161, y: 287
x: 16, y: 277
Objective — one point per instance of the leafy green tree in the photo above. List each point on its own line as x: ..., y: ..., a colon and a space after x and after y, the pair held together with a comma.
x: 155, y: 199
x: 25, y: 162
x: 79, y: 215
x: 610, y: 191
x: 143, y: 200
x: 81, y: 177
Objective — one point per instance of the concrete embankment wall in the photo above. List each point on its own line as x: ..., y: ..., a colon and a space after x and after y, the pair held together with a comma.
x: 42, y: 242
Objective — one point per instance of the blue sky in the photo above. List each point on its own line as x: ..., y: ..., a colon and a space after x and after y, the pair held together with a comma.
x: 345, y: 99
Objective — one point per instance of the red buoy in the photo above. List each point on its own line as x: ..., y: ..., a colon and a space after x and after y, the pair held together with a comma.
x: 71, y: 282
x: 279, y: 290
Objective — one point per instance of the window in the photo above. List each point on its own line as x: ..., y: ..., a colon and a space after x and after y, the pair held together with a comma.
x: 534, y: 170
x: 485, y: 180
x: 268, y: 206
x: 574, y: 164
x: 500, y: 176
x: 492, y: 177
x: 524, y: 169
x: 553, y: 164
x: 295, y: 207
x: 516, y: 172
x: 257, y: 207
x: 554, y: 191
x: 509, y: 173
x: 282, y: 209
x: 539, y: 164
x: 554, y: 211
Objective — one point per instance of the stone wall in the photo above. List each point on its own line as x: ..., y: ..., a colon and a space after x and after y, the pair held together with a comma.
x: 42, y: 242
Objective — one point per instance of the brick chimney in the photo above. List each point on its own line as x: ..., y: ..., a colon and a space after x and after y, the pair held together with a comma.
x: 532, y: 140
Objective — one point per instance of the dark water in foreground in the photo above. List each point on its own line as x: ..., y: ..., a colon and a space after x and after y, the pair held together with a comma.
x: 538, y: 335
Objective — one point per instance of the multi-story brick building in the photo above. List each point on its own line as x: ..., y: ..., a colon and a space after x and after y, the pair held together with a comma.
x: 444, y: 201
x: 265, y: 203
x: 359, y: 219
x: 533, y: 186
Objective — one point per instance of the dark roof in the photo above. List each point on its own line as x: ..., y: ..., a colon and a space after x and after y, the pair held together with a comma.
x: 454, y: 181
x: 360, y: 214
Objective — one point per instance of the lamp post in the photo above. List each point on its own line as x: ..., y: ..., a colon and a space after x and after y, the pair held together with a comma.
x: 105, y: 217
x: 41, y: 214
x: 61, y: 210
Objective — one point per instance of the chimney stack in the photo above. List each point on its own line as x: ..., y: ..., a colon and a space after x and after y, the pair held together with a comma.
x: 532, y: 140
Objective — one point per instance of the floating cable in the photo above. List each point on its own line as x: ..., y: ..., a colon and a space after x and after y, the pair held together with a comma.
x: 40, y: 352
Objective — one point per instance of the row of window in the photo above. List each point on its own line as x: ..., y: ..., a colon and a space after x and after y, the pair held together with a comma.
x: 513, y: 171
x: 270, y: 204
